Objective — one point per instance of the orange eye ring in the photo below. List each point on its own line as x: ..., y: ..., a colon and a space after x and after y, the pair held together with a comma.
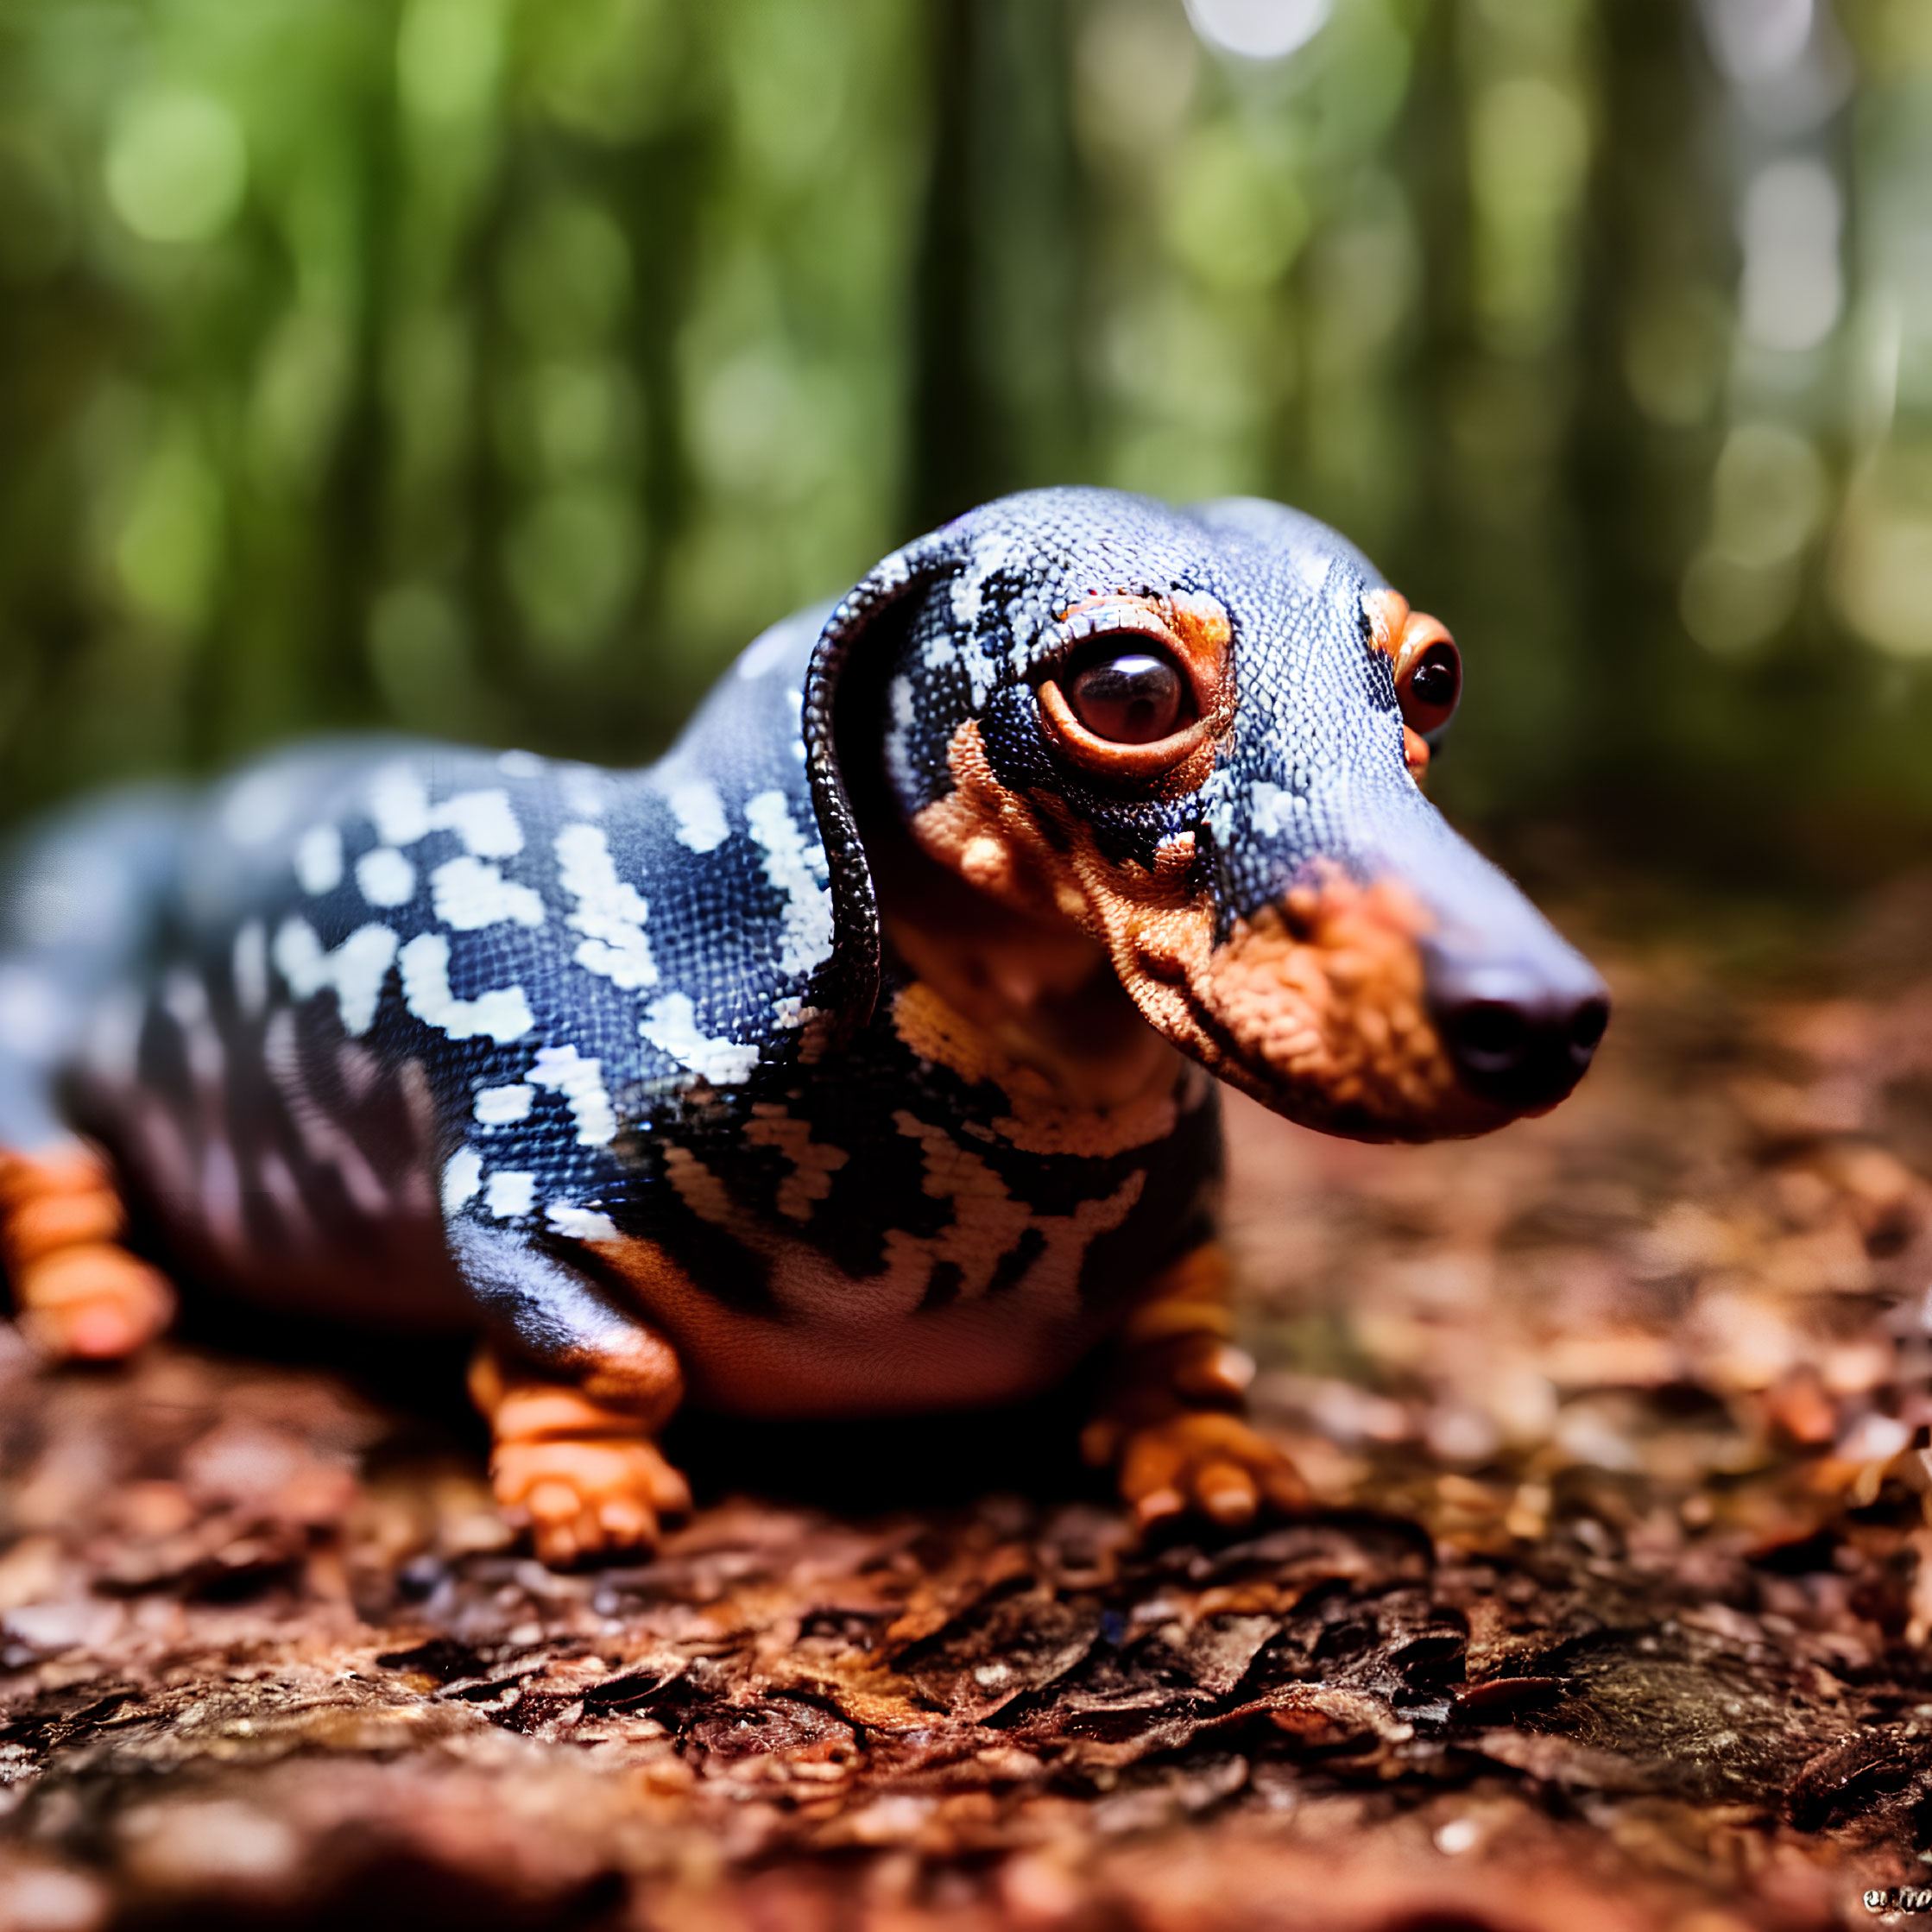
x: 1189, y: 633
x: 1427, y: 667
x: 1106, y: 756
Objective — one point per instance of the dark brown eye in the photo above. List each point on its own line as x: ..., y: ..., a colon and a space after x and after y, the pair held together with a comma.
x: 1429, y: 687
x: 1136, y: 699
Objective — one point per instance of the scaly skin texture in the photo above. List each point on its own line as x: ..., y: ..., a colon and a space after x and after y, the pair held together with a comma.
x: 854, y: 1058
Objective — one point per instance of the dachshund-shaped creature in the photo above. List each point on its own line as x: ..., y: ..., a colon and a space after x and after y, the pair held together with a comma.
x: 855, y: 1058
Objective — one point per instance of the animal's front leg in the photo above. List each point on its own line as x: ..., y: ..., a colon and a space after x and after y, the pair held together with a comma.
x: 1172, y: 1423
x: 576, y: 1391
x: 585, y: 1479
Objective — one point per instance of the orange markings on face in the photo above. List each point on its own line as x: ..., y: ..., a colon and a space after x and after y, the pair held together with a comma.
x: 1321, y: 999
x: 1315, y: 1008
x: 1192, y: 630
x: 1388, y: 613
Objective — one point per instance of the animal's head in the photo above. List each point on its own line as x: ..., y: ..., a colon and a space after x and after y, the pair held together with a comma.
x: 1199, y: 735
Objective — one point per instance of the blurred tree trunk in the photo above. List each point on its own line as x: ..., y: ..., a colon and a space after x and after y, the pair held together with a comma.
x: 997, y: 402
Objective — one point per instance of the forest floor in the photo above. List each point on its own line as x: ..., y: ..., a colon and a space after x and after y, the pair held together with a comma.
x: 1612, y: 1614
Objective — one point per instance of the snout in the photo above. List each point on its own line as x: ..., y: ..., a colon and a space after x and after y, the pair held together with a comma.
x: 1520, y: 1027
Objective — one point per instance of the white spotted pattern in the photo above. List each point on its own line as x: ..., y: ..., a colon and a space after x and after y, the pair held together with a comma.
x: 385, y: 878
x: 671, y: 1025
x: 510, y: 1193
x: 258, y: 807
x: 565, y: 1070
x: 319, y: 860
x: 471, y: 893
x: 800, y: 872
x: 462, y: 1177
x: 503, y: 1014
x: 112, y: 1046
x: 356, y: 969
x: 586, y: 790
x: 609, y: 912
x: 899, y: 765
x: 248, y: 968
x: 503, y: 1106
x: 184, y: 998
x: 580, y: 1224
x: 399, y: 803
x: 1273, y: 811
x: 700, y: 813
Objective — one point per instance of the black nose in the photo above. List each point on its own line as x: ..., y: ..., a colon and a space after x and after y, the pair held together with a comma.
x: 1519, y: 1032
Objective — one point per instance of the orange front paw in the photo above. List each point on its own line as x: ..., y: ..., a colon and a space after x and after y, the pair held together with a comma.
x: 91, y: 1303
x: 581, y: 1499
x: 1201, y: 1459
x: 78, y: 1294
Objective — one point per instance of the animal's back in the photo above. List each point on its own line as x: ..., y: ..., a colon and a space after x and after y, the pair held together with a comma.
x: 289, y: 1005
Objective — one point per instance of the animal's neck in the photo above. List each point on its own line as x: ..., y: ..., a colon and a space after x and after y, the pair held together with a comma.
x: 1046, y: 993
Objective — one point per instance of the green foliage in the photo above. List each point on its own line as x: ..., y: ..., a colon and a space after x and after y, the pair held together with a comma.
x: 496, y: 368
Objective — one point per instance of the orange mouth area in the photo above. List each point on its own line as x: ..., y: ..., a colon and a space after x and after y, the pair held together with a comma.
x: 1315, y: 1006
x: 1319, y: 1007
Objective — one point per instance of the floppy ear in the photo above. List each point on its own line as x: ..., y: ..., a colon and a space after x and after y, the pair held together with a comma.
x: 847, y: 987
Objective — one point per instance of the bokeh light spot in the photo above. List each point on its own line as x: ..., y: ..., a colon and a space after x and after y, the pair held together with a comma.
x: 1731, y: 607
x: 605, y: 68
x: 1769, y: 493
x: 1234, y: 215
x: 567, y: 274
x: 1754, y: 40
x: 1529, y: 152
x: 419, y: 652
x: 1793, y: 289
x: 1258, y: 29
x: 755, y: 431
x: 177, y: 166
x: 583, y: 415
x: 448, y: 55
x: 1135, y: 73
x: 1882, y: 570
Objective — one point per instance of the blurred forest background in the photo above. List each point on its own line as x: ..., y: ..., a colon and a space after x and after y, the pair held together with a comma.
x: 497, y: 368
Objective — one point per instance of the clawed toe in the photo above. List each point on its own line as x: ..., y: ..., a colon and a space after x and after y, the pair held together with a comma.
x: 1208, y: 1462
x: 586, y: 1498
x: 78, y: 1294
x: 92, y: 1303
